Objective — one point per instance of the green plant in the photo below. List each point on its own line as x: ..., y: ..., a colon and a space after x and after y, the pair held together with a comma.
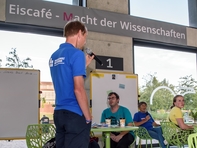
x: 15, y: 62
x: 193, y: 113
x: 159, y: 116
x: 43, y: 99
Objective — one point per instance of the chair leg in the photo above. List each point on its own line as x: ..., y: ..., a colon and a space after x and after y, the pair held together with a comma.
x: 139, y: 143
x: 146, y: 143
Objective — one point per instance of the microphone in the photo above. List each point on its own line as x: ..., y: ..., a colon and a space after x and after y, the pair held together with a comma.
x: 89, y: 52
x: 147, y: 113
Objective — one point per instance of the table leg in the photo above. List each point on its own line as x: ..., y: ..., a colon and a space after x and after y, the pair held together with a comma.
x: 107, y: 139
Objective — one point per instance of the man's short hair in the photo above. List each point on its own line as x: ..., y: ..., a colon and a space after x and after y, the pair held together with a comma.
x: 141, y: 103
x: 114, y: 93
x: 73, y: 27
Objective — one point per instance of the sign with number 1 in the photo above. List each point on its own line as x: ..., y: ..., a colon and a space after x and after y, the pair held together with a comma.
x: 110, y: 63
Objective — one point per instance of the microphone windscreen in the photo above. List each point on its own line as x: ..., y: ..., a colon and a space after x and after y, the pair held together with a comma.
x: 147, y: 113
x: 88, y: 51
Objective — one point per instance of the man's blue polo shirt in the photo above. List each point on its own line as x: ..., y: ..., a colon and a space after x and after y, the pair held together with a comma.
x: 66, y: 63
x: 139, y: 116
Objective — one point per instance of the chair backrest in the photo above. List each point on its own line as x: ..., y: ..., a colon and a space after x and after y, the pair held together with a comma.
x: 38, y: 134
x: 142, y: 133
x: 173, y: 134
x: 192, y: 140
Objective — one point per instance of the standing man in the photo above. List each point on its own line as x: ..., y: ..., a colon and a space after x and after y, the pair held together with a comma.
x: 72, y: 116
x: 115, y: 112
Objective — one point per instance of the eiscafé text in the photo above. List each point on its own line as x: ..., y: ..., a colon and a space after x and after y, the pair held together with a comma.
x: 42, y: 13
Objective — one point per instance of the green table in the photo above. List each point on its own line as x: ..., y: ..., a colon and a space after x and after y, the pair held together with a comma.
x: 108, y: 130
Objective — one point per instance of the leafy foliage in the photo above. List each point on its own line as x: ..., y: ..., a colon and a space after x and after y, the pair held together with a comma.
x: 15, y: 62
x: 190, y: 86
x: 43, y: 99
x: 162, y: 98
x: 159, y: 116
x: 193, y: 113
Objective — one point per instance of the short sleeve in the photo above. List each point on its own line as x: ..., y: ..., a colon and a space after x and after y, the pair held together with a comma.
x: 103, y: 117
x: 175, y: 113
x: 78, y: 64
x: 128, y: 116
x: 178, y: 113
x: 136, y: 117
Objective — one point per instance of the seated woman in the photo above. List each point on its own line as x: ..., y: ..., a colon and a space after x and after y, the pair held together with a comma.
x: 176, y: 116
x: 143, y: 118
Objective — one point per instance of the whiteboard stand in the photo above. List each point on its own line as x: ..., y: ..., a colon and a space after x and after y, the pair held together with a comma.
x: 102, y: 83
x: 19, y: 101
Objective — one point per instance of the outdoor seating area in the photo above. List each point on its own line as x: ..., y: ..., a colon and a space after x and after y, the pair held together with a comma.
x: 38, y: 134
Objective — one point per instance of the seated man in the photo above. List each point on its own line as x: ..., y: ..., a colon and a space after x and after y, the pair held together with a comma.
x: 44, y: 120
x: 115, y: 112
x: 143, y: 118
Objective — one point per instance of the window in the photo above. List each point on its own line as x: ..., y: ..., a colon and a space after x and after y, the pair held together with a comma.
x: 37, y: 47
x: 164, y: 73
x: 70, y: 2
x: 172, y: 11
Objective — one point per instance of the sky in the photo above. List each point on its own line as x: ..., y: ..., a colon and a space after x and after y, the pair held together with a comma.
x: 37, y: 47
x: 170, y: 64
x: 173, y: 11
x: 164, y: 63
x: 61, y: 1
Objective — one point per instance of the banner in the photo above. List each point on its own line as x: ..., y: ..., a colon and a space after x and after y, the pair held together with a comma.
x: 50, y: 14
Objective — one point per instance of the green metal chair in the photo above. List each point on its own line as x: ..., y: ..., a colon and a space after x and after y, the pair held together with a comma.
x: 192, y: 140
x: 134, y: 142
x: 131, y: 145
x: 38, y: 134
x: 175, y: 135
x: 143, y: 134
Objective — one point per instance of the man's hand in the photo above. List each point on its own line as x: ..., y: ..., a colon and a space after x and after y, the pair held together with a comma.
x: 89, y: 59
x: 147, y: 118
x: 88, y: 121
x: 112, y: 135
x: 117, y: 138
x: 155, y: 124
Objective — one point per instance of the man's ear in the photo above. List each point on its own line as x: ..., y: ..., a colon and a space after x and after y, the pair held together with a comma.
x: 79, y: 33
